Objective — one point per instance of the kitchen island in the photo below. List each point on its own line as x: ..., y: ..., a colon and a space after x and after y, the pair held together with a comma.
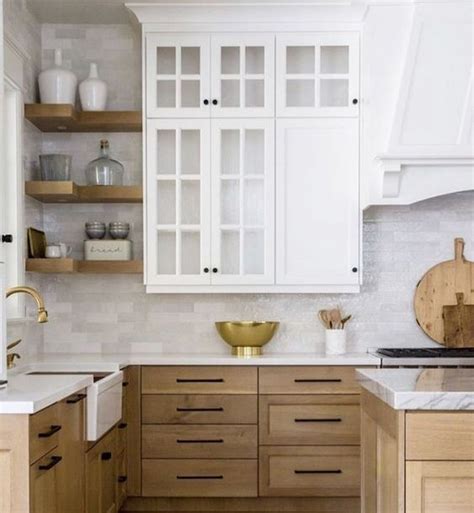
x: 417, y: 440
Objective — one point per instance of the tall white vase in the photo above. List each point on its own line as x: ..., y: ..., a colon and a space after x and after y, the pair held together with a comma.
x: 93, y: 91
x: 57, y: 85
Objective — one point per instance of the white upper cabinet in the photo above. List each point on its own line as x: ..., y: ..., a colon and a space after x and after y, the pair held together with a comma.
x: 242, y: 67
x: 317, y: 74
x: 177, y: 75
x: 243, y: 201
x: 317, y: 193
x: 178, y: 202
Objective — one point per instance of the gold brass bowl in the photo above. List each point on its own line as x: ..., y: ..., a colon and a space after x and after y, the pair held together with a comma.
x: 247, y: 337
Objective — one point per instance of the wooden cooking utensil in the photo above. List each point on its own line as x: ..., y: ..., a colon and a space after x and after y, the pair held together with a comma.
x: 459, y: 323
x: 438, y: 288
x: 335, y: 316
x: 325, y: 318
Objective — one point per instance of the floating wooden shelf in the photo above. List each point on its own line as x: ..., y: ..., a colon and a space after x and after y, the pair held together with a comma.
x: 69, y: 265
x: 65, y: 118
x: 69, y: 192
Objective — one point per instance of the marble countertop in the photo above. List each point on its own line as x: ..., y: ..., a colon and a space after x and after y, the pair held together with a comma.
x: 421, y: 389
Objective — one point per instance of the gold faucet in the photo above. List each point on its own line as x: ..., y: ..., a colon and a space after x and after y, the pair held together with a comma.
x: 11, y: 356
x: 42, y: 313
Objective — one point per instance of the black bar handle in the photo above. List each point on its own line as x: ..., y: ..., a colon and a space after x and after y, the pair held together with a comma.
x: 199, y: 477
x: 199, y: 409
x: 318, y: 380
x: 125, y: 383
x: 122, y: 479
x: 122, y: 425
x: 54, y: 461
x: 79, y: 397
x: 338, y: 471
x: 210, y: 380
x: 106, y: 456
x: 216, y: 441
x: 319, y: 420
x: 54, y: 429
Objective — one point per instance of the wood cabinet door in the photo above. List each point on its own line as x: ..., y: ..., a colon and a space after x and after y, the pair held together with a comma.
x: 44, y: 483
x: 242, y: 202
x: 178, y: 202
x: 317, y: 202
x: 243, y: 69
x: 439, y: 486
x: 317, y: 74
x: 177, y: 75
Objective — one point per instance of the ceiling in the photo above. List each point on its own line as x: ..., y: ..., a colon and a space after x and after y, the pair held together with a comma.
x: 112, y: 11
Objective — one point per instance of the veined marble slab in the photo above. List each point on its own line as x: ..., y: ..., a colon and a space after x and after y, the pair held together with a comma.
x: 421, y: 389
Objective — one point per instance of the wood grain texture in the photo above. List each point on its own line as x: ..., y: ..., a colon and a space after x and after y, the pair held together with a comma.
x: 69, y: 265
x: 180, y: 442
x: 44, y: 484
x: 199, y: 380
x: 309, y: 420
x: 199, y: 409
x: 51, y: 265
x: 438, y: 288
x: 458, y: 322
x: 65, y: 118
x: 133, y: 419
x: 310, y: 471
x: 41, y: 423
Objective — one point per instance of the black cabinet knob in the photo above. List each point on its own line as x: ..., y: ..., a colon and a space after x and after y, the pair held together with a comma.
x: 214, y: 102
x: 206, y: 102
x: 206, y: 269
x: 354, y: 269
x: 355, y: 101
x: 7, y: 237
x: 214, y: 269
x: 106, y: 456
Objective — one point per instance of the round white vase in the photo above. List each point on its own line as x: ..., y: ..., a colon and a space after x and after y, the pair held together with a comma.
x: 57, y: 85
x: 93, y: 91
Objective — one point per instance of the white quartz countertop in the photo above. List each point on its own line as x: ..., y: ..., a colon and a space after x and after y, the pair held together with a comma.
x: 421, y: 389
x: 29, y: 394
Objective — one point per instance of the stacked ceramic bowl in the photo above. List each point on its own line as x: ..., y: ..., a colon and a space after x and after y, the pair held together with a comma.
x: 119, y: 230
x: 95, y: 230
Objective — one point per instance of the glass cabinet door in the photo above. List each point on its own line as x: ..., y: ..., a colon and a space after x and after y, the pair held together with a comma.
x: 178, y: 202
x: 243, y: 202
x: 242, y: 75
x: 318, y: 75
x: 177, y: 75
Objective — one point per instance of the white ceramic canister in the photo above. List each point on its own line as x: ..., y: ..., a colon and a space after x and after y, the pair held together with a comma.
x: 57, y: 85
x: 335, y: 341
x: 93, y: 91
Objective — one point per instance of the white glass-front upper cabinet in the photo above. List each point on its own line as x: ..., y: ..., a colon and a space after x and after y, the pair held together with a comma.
x: 177, y: 75
x: 243, y: 69
x: 243, y: 202
x: 178, y: 202
x: 317, y: 75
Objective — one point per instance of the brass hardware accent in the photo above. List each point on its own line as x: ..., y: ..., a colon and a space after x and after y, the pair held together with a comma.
x: 11, y: 360
x: 42, y: 313
x: 247, y: 337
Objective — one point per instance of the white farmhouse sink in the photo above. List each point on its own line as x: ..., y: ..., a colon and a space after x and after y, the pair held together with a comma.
x: 104, y: 400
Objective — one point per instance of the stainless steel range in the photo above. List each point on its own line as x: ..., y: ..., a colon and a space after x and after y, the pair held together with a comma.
x: 426, y: 357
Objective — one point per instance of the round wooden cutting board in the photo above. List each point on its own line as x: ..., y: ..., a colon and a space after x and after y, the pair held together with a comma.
x: 438, y: 288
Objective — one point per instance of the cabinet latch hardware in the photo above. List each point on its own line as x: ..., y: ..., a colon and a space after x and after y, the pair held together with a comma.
x: 338, y: 471
x: 7, y: 238
x: 106, y: 456
x: 54, y: 461
x: 51, y: 432
x: 217, y: 441
x: 319, y: 420
x: 210, y: 380
x: 199, y: 477
x: 199, y: 409
x: 318, y: 380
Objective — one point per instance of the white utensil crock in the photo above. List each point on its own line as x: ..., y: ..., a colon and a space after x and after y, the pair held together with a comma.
x: 335, y: 341
x: 93, y: 91
x: 57, y: 85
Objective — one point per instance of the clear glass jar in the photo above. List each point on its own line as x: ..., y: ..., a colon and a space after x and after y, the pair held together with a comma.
x: 104, y: 170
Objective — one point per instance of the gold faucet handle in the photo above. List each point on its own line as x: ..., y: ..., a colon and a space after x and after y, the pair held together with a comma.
x: 11, y: 360
x: 13, y: 344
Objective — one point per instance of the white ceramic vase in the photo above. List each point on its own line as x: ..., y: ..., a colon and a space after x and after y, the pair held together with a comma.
x: 93, y: 91
x: 335, y: 341
x: 57, y: 85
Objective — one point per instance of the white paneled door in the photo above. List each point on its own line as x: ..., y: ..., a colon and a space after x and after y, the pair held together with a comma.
x: 242, y: 68
x: 243, y: 201
x: 178, y: 202
x: 317, y: 193
x: 317, y: 74
x: 177, y: 75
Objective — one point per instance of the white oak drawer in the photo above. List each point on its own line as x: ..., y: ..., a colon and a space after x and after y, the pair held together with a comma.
x: 44, y: 432
x: 309, y: 420
x: 168, y: 441
x: 199, y: 478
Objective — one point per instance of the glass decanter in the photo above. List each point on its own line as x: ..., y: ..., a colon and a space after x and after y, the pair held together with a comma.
x: 104, y: 170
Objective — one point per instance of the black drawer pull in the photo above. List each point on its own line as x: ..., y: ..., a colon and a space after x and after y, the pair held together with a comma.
x: 210, y: 380
x: 339, y: 471
x: 54, y: 461
x: 125, y: 383
x: 199, y: 409
x: 216, y: 441
x: 122, y: 479
x: 74, y: 400
x: 122, y: 425
x: 318, y: 380
x: 51, y: 432
x: 106, y: 456
x: 199, y: 477
x: 318, y: 420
